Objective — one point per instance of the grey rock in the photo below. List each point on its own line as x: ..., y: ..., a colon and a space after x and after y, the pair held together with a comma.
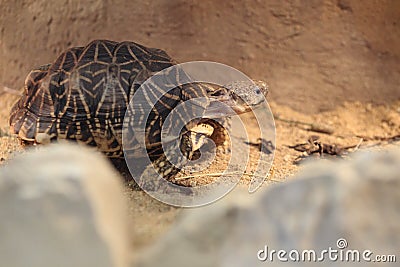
x: 356, y: 200
x: 62, y: 206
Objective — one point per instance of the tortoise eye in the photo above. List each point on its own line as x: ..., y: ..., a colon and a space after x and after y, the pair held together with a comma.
x: 234, y: 96
x: 218, y: 93
x: 258, y: 91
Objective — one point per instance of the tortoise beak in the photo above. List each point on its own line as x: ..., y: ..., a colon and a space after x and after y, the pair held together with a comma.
x: 225, y: 107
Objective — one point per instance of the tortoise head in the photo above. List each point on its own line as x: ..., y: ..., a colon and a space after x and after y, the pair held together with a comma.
x: 235, y: 98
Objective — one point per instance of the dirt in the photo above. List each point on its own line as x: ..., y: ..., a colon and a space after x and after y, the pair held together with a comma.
x: 333, y: 62
x: 150, y: 218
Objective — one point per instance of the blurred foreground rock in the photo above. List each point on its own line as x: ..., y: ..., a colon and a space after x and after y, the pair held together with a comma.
x: 358, y: 200
x: 62, y: 206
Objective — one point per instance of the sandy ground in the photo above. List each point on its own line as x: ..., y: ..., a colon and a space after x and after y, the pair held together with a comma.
x: 353, y: 124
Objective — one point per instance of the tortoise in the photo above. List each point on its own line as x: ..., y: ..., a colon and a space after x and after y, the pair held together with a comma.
x: 84, y: 94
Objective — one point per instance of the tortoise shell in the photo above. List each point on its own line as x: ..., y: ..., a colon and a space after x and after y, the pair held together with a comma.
x: 85, y: 93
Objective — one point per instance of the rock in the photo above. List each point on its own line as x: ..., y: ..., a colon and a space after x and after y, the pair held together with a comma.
x: 62, y: 206
x: 352, y: 204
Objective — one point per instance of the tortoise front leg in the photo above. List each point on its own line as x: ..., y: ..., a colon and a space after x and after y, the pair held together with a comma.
x: 163, y: 167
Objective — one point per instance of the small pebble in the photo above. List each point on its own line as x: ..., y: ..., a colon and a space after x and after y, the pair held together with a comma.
x: 286, y: 158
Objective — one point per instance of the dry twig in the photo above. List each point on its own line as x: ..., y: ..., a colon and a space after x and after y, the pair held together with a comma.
x: 314, y: 146
x: 315, y: 127
x: 222, y: 173
x: 265, y: 146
